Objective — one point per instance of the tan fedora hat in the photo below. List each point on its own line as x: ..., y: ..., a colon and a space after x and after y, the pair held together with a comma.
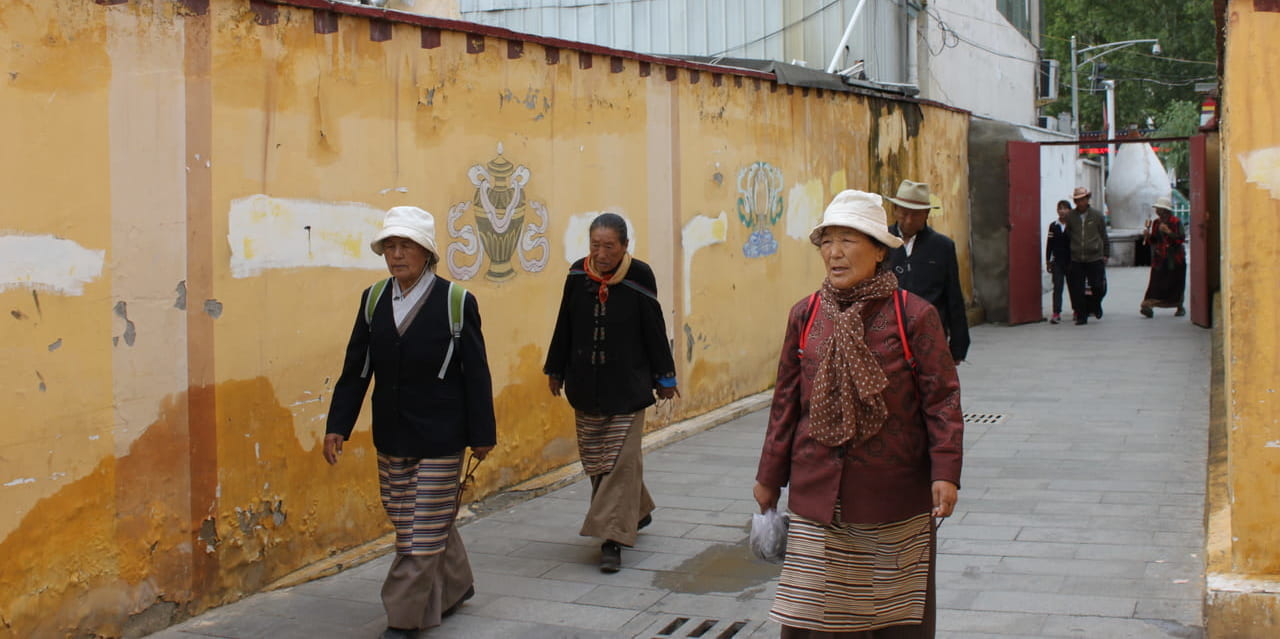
x: 1080, y: 192
x: 913, y: 195
x: 859, y: 211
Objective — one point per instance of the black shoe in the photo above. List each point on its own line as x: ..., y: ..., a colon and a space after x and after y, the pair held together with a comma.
x: 1081, y: 320
x: 610, y: 557
x: 1146, y: 311
x: 471, y: 592
x: 648, y: 519
x: 1098, y: 313
x: 399, y: 633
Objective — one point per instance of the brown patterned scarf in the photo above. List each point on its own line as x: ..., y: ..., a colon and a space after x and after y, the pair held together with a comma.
x: 847, y: 403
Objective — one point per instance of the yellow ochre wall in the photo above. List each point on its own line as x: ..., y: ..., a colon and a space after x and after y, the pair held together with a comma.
x: 1242, y: 584
x: 190, y: 189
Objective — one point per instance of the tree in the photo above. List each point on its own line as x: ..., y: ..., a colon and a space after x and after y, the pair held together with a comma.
x: 1181, y: 118
x: 1147, y: 85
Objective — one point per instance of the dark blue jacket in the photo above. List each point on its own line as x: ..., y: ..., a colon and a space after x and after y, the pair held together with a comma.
x: 415, y: 414
x: 932, y: 272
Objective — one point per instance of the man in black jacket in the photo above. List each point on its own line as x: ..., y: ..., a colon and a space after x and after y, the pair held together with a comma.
x: 926, y: 263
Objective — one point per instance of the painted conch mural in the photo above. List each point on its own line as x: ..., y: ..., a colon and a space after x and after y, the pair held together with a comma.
x: 500, y: 210
x: 760, y: 207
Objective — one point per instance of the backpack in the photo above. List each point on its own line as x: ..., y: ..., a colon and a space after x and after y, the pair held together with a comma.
x: 457, y: 297
x: 899, y: 306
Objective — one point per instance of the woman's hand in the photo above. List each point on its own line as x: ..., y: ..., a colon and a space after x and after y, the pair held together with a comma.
x: 944, y: 498
x: 766, y: 496
x: 668, y: 393
x: 333, y: 447
x: 481, y: 452
x: 555, y: 385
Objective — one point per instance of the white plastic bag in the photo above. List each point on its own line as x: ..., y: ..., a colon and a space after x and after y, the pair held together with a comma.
x: 768, y: 537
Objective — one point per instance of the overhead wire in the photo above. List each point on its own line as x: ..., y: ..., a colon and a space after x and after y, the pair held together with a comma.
x: 771, y: 34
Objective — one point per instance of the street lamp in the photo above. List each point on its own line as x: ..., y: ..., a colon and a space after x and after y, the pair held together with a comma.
x: 1102, y: 49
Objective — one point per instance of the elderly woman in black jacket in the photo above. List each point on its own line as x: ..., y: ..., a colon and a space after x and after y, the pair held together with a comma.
x: 419, y: 335
x: 610, y: 354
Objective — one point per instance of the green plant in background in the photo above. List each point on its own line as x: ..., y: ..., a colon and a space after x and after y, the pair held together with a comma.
x: 1147, y: 85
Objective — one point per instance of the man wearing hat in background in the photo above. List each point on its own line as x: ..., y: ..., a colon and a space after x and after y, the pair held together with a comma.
x: 1090, y: 250
x: 926, y: 263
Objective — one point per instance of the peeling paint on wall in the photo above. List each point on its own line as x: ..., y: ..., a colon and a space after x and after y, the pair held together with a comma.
x: 699, y: 233
x: 47, y: 263
x: 273, y: 233
x: 804, y: 209
x: 1262, y: 167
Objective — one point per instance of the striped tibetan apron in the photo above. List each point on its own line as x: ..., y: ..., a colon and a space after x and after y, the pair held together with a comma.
x: 854, y: 577
x: 419, y: 496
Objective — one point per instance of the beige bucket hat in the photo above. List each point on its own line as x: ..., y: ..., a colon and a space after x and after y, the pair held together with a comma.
x: 860, y: 211
x: 408, y: 222
x: 913, y: 195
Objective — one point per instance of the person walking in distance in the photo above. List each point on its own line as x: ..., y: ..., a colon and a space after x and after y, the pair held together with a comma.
x: 1090, y: 251
x: 610, y: 355
x: 926, y: 263
x: 1057, y: 256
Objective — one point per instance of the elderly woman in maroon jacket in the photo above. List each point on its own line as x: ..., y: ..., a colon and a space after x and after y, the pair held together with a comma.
x: 870, y: 447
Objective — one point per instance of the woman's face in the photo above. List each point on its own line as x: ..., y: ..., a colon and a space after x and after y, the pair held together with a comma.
x: 607, y: 249
x: 1063, y: 211
x: 405, y: 258
x: 849, y: 255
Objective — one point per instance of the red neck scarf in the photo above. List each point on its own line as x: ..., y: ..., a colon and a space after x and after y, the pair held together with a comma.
x: 607, y: 280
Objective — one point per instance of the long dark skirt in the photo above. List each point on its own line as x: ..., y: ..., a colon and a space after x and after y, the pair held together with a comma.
x: 1167, y: 285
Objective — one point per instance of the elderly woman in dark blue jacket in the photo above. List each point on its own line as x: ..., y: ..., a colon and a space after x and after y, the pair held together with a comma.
x: 419, y: 335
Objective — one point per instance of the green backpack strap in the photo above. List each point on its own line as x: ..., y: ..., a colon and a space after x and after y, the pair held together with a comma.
x: 371, y: 303
x: 457, y: 298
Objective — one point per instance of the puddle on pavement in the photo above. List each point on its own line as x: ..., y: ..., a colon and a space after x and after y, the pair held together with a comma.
x: 724, y: 568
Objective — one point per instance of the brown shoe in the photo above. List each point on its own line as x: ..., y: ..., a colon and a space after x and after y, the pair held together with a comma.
x: 471, y: 592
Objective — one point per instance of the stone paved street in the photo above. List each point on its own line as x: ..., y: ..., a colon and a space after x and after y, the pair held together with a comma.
x: 1081, y: 514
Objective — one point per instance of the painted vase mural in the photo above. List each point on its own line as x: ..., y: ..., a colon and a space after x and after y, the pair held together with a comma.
x: 499, y: 209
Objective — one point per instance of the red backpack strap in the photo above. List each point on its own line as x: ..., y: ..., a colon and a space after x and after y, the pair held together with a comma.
x: 809, y: 314
x: 899, y: 305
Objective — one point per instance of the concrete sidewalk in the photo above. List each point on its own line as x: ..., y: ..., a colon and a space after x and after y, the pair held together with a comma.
x: 1081, y: 514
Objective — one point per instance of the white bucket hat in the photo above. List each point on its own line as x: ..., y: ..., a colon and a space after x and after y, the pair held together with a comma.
x: 409, y: 222
x: 1163, y: 202
x: 860, y: 211
x: 913, y: 195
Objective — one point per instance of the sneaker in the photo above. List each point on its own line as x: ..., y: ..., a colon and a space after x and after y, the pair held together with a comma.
x: 610, y: 557
x: 1057, y: 317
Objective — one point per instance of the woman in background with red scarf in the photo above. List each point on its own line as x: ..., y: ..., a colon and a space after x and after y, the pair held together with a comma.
x: 610, y: 354
x: 870, y: 449
x: 1168, y: 281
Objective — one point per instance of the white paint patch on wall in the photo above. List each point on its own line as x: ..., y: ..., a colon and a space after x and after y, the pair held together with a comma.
x: 271, y: 233
x: 699, y: 233
x: 1272, y: 444
x: 47, y: 263
x: 577, y: 235
x: 1262, y: 167
x: 20, y: 481
x: 804, y: 209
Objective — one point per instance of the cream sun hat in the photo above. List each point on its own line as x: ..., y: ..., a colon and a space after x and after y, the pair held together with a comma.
x: 913, y: 195
x: 1163, y: 202
x: 860, y: 211
x: 409, y: 222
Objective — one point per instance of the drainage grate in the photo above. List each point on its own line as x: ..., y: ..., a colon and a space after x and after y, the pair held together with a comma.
x: 983, y: 418
x: 681, y: 627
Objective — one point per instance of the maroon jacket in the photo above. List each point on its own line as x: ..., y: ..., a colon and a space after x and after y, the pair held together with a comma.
x: 888, y: 477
